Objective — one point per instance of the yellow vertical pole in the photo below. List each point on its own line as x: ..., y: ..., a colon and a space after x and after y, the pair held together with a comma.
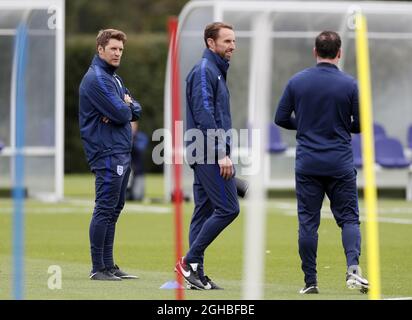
x: 368, y: 152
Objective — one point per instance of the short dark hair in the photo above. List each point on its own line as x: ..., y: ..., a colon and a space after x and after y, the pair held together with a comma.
x: 212, y: 30
x: 327, y: 44
x: 104, y: 37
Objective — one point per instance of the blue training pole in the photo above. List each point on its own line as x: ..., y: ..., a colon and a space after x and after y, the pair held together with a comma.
x: 18, y: 174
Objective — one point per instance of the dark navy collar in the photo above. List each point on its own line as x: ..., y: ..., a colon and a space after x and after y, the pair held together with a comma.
x: 220, y: 62
x: 103, y: 64
x: 327, y: 64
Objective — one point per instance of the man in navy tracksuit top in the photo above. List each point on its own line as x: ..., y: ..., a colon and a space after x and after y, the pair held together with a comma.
x: 106, y: 110
x: 214, y: 189
x: 325, y: 105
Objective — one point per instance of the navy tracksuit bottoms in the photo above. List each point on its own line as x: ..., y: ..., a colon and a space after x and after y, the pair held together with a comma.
x: 342, y: 193
x: 216, y: 206
x: 112, y: 174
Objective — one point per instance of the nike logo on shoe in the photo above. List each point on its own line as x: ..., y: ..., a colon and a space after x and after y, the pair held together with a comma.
x: 184, y: 272
x: 189, y: 273
x: 309, y: 289
x: 354, y: 279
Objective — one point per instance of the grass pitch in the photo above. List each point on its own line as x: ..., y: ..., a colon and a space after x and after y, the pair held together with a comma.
x: 57, y: 234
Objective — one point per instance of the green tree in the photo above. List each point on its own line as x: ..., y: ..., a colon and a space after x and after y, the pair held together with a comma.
x: 132, y: 16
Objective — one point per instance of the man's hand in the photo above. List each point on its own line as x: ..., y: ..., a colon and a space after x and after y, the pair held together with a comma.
x: 128, y: 99
x: 226, y: 167
x: 105, y: 119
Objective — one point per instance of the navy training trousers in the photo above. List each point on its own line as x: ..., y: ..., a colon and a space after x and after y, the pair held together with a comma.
x: 216, y: 206
x: 342, y: 193
x: 112, y: 174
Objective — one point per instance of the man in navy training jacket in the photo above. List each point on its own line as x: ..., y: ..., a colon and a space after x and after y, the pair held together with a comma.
x: 324, y: 101
x: 214, y: 189
x: 105, y: 112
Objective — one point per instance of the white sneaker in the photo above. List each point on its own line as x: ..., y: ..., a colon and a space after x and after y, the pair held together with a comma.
x: 354, y: 279
x: 310, y: 289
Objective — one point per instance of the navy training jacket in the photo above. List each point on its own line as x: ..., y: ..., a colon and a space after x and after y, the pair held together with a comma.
x: 101, y: 94
x: 208, y: 106
x: 325, y: 102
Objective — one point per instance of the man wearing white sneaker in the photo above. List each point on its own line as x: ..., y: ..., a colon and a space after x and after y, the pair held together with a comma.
x: 324, y: 101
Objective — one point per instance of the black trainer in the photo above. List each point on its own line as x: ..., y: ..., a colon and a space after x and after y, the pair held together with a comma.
x: 310, y: 289
x: 213, y: 285
x: 354, y: 279
x: 121, y: 274
x: 208, y: 284
x: 189, y: 271
x: 191, y: 287
x: 104, y: 275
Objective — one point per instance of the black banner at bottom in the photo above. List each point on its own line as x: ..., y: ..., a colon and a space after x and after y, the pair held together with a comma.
x: 205, y: 309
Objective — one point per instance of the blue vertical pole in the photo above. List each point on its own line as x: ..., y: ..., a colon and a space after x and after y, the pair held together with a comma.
x: 18, y: 190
